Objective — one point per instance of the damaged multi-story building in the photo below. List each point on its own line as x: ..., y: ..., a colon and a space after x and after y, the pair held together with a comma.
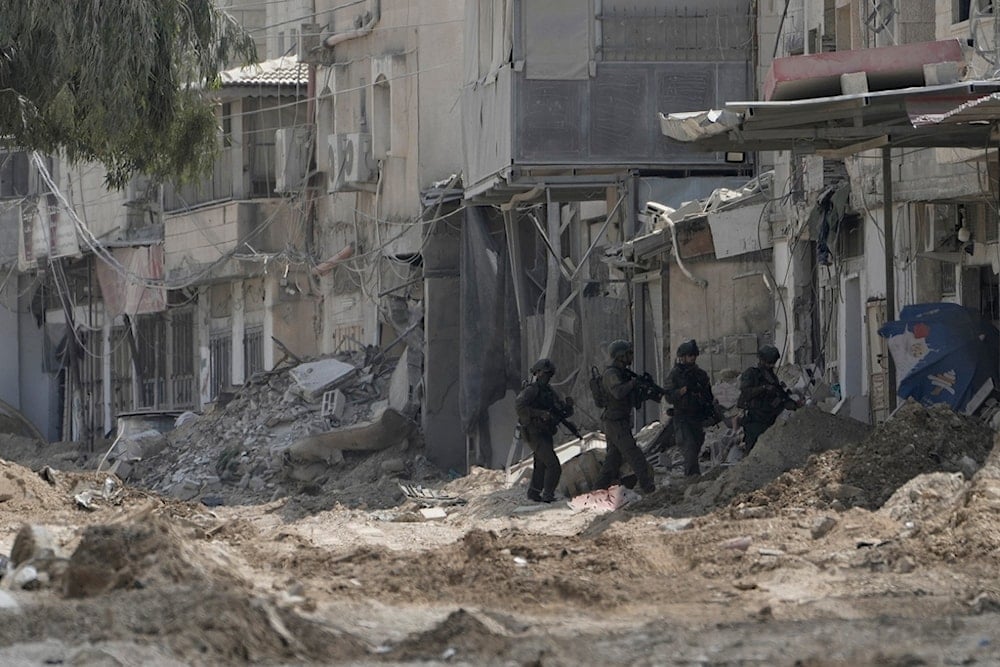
x: 445, y: 183
x: 878, y: 119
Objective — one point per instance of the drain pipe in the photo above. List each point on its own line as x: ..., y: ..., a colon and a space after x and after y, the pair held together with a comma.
x: 367, y: 24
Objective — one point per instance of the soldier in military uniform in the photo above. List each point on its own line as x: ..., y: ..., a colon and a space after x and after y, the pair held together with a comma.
x: 625, y: 392
x: 690, y: 391
x: 538, y: 408
x: 762, y: 396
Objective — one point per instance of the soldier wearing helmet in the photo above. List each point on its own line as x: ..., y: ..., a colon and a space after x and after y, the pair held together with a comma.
x: 536, y: 408
x: 762, y: 396
x: 624, y: 394
x: 690, y: 391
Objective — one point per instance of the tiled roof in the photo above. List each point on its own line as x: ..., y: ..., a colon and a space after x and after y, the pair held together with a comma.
x: 284, y: 71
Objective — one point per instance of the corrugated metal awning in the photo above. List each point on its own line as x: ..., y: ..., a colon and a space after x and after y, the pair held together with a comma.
x: 845, y: 122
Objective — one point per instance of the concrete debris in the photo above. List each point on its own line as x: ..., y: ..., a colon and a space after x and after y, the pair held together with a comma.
x: 31, y: 542
x: 432, y: 513
x: 822, y: 526
x: 424, y: 496
x: 386, y: 428
x: 281, y: 431
x: 741, y: 543
x: 676, y: 525
x: 314, y: 378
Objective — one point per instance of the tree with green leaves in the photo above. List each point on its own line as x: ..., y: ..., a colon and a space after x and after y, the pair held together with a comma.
x: 123, y: 83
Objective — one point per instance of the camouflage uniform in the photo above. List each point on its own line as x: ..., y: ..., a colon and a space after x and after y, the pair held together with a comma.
x: 534, y: 413
x: 623, y: 397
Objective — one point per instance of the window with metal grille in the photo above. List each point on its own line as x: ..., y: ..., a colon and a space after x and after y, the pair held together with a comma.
x: 91, y: 381
x: 182, y: 375
x: 151, y: 343
x: 220, y: 357
x: 253, y: 350
x: 121, y: 372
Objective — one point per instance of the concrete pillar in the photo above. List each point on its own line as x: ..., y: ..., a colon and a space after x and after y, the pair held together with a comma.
x: 9, y: 357
x: 270, y: 297
x: 239, y: 329
x: 445, y: 443
x: 202, y: 332
x: 238, y: 152
x: 793, y: 296
x: 106, y: 354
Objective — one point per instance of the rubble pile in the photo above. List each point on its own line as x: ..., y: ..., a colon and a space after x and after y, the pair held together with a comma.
x: 966, y: 527
x: 783, y: 447
x: 915, y: 441
x: 260, y: 445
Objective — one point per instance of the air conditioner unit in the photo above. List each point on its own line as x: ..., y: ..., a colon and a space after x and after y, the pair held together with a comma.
x: 291, y: 158
x: 351, y: 163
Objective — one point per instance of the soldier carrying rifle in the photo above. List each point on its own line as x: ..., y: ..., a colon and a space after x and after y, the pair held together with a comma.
x: 539, y: 412
x: 622, y: 392
x: 762, y: 396
x: 689, y: 390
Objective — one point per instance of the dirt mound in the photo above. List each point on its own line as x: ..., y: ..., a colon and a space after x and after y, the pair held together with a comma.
x: 968, y: 529
x: 137, y: 555
x: 203, y: 625
x: 507, y: 568
x: 458, y: 635
x: 23, y: 490
x: 917, y: 440
x: 785, y: 446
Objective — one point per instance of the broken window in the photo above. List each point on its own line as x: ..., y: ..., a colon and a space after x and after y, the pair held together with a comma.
x: 963, y: 10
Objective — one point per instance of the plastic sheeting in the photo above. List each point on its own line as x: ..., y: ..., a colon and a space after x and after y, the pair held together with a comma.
x: 944, y: 353
x: 490, y: 336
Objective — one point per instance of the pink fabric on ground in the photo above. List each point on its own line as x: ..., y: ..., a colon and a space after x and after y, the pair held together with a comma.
x: 603, y: 500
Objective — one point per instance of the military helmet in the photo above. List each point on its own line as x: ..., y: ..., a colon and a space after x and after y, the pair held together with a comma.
x: 619, y: 348
x: 768, y: 354
x: 543, y: 366
x: 688, y: 348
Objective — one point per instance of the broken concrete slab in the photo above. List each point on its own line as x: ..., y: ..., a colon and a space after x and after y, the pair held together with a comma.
x: 315, y: 377
x: 386, y: 428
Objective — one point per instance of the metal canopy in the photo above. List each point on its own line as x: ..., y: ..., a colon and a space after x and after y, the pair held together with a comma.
x: 918, y: 117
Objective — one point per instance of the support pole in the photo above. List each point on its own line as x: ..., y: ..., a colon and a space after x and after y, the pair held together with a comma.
x: 890, y: 268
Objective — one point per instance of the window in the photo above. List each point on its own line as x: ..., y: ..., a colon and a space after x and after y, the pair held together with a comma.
x: 182, y: 376
x: 227, y: 124
x: 253, y: 350
x: 851, y: 236
x: 962, y: 10
x: 13, y: 175
x: 949, y: 286
x: 151, y: 345
x: 220, y: 358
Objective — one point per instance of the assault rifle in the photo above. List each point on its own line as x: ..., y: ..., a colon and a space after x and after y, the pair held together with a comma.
x: 647, y: 387
x: 561, y: 412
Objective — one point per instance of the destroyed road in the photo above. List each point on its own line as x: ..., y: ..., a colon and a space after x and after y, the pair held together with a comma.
x: 832, y: 563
